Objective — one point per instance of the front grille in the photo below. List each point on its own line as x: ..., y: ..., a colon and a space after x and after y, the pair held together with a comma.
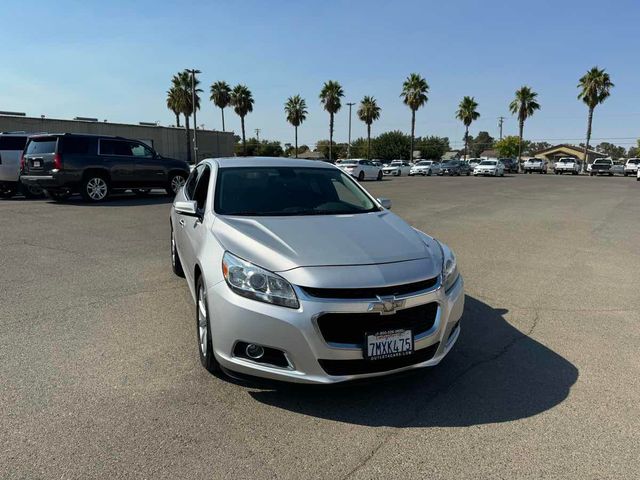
x: 360, y: 293
x: 360, y: 367
x: 350, y: 328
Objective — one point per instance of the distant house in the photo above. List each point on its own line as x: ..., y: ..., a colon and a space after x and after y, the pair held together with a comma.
x: 564, y: 150
x: 309, y: 155
x: 489, y: 154
x: 451, y: 155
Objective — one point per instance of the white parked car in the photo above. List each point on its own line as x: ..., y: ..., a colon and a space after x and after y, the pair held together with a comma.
x: 11, y: 147
x: 535, y: 165
x: 361, y: 169
x: 631, y: 167
x: 425, y: 167
x: 397, y: 168
x: 567, y: 165
x: 474, y: 162
x: 489, y: 167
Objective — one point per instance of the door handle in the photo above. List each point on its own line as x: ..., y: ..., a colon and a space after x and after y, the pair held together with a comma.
x: 182, y: 223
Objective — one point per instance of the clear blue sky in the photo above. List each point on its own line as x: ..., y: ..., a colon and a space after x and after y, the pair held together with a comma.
x: 114, y: 60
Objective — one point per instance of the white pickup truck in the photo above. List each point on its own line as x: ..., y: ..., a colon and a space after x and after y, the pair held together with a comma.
x: 631, y: 167
x: 567, y: 165
x: 535, y: 165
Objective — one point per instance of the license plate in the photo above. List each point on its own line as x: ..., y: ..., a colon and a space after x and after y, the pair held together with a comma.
x: 37, y: 164
x: 388, y: 344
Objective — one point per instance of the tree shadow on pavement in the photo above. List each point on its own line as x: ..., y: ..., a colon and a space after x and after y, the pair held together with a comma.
x: 495, y: 373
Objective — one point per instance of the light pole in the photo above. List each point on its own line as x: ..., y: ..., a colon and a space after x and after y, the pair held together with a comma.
x: 351, y: 104
x: 193, y: 73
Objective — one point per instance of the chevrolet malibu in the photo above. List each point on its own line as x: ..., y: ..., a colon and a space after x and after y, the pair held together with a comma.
x: 298, y: 274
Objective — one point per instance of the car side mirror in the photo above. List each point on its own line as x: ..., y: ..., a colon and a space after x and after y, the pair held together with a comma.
x: 385, y: 202
x: 188, y: 208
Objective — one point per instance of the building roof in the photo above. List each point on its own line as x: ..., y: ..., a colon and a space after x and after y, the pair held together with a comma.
x: 490, y: 153
x: 450, y: 155
x: 566, y: 146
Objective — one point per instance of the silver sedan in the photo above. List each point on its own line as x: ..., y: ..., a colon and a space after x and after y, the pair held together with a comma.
x: 298, y: 274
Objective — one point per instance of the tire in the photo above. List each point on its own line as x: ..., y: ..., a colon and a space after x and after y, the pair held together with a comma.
x: 176, y: 182
x: 361, y: 176
x: 203, y: 330
x: 176, y: 263
x: 7, y: 192
x: 379, y: 176
x: 591, y: 174
x: 626, y: 174
x: 468, y: 173
x: 32, y: 191
x: 429, y: 173
x: 141, y: 192
x: 399, y: 173
x: 95, y: 188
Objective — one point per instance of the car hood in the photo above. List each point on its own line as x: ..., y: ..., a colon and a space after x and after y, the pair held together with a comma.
x: 283, y: 243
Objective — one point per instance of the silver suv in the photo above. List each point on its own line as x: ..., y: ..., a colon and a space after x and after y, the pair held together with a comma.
x: 11, y: 148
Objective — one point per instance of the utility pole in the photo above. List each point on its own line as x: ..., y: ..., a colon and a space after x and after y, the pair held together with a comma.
x: 351, y: 104
x: 193, y: 73
x: 257, y: 130
x: 500, y: 122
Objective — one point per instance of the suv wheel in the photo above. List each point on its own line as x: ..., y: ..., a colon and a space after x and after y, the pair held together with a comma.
x: 94, y: 188
x: 203, y: 327
x: 361, y: 176
x: 176, y: 264
x: 176, y: 182
x: 32, y: 191
x: 379, y: 175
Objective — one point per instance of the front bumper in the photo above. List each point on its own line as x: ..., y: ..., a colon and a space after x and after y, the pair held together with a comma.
x: 390, y: 172
x: 295, y: 332
x: 485, y: 172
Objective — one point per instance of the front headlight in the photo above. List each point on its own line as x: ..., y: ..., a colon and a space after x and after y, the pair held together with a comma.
x: 251, y: 281
x: 450, y: 272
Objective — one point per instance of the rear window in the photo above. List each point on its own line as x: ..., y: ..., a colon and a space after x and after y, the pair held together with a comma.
x: 42, y: 145
x: 13, y: 143
x: 76, y: 145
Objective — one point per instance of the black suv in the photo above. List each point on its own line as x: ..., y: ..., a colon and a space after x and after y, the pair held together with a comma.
x: 455, y: 167
x: 95, y: 165
x: 510, y: 165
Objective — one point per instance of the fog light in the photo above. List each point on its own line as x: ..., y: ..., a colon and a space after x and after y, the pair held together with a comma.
x: 254, y: 351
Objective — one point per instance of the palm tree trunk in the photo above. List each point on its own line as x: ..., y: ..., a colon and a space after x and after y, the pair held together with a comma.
x: 177, y: 119
x: 521, y: 129
x: 466, y: 141
x: 244, y: 142
x: 368, y: 141
x: 186, y: 123
x: 330, y: 136
x: 222, y: 110
x: 586, y: 146
x: 413, y: 130
x: 296, y: 128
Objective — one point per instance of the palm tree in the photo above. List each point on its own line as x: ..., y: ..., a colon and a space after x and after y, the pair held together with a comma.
x: 330, y: 96
x: 221, y: 97
x: 181, y: 83
x: 414, y: 95
x: 296, y: 110
x: 467, y: 113
x: 242, y: 102
x: 173, y: 103
x: 595, y: 86
x: 368, y: 112
x: 524, y: 105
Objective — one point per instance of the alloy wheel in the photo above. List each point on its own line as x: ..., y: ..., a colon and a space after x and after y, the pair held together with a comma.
x: 97, y: 188
x: 177, y: 183
x: 203, y: 322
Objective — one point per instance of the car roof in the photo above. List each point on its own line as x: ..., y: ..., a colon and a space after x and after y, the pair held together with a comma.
x: 268, y: 162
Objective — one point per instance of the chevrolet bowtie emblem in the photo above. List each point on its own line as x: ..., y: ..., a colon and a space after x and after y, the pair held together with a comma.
x: 386, y: 305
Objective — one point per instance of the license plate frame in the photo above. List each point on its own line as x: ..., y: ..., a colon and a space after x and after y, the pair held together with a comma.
x: 36, y: 164
x: 387, y: 344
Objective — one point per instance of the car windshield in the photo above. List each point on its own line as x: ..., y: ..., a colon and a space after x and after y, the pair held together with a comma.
x: 424, y: 163
x: 635, y: 161
x: 488, y: 162
x: 449, y: 164
x: 395, y: 164
x: 602, y: 162
x: 348, y: 164
x: 278, y: 191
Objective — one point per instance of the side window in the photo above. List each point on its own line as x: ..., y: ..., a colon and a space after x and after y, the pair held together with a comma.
x: 190, y: 185
x: 140, y: 150
x: 12, y: 143
x: 116, y: 147
x: 202, y: 188
x: 76, y: 145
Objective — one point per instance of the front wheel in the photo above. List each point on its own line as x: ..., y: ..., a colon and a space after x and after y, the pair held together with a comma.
x: 361, y: 176
x: 176, y: 182
x: 203, y: 328
x: 95, y: 188
x: 176, y: 264
x: 379, y: 175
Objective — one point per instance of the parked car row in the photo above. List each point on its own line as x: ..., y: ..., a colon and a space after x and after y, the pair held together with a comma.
x: 92, y: 165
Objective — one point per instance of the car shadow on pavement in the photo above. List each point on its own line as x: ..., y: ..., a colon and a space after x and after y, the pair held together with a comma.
x: 120, y: 200
x: 495, y: 373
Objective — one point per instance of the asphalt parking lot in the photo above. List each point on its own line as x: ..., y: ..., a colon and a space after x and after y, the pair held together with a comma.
x: 100, y: 376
